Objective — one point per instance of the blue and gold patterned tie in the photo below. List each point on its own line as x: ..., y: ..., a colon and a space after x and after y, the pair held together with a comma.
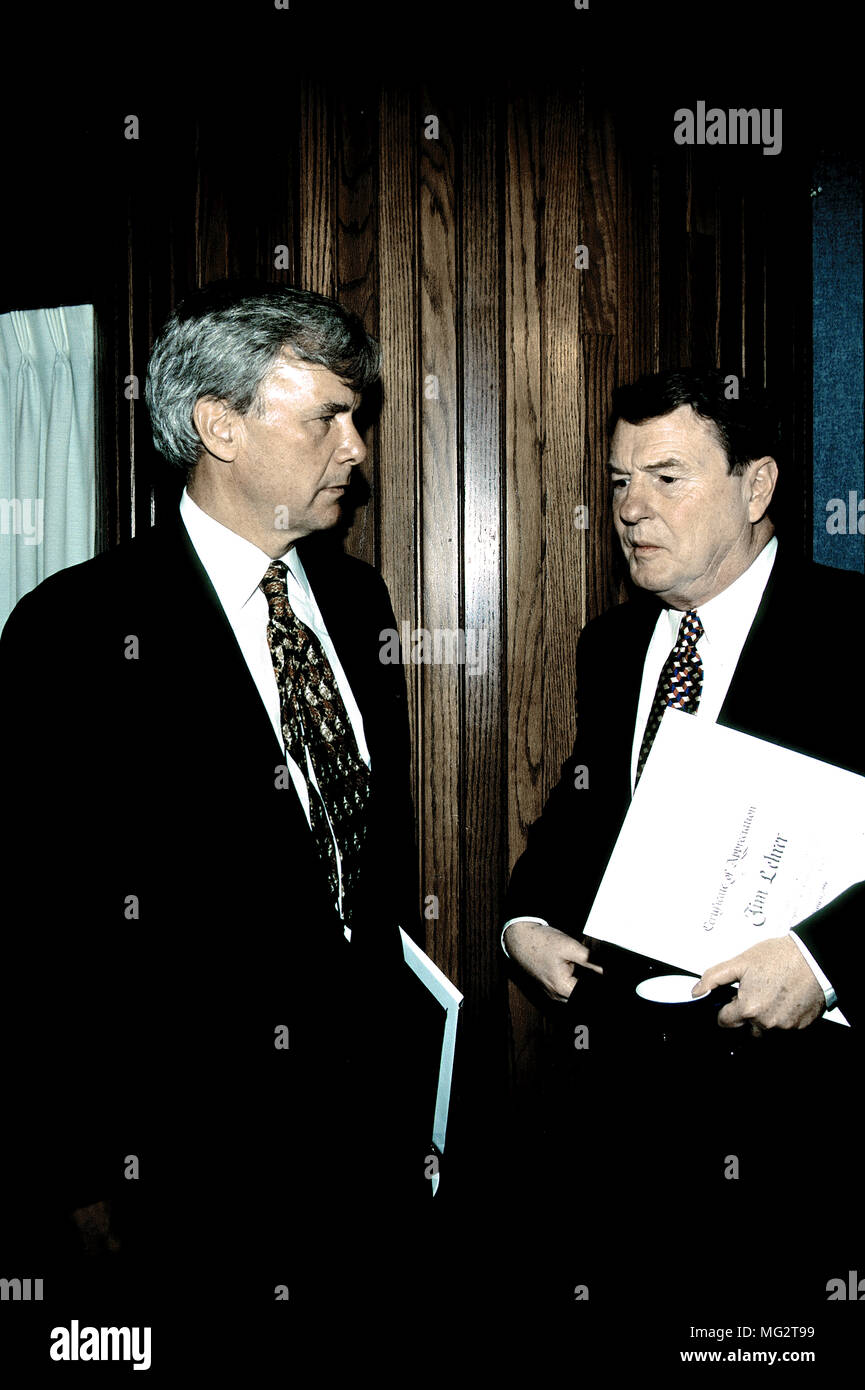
x: 314, y: 717
x: 679, y: 684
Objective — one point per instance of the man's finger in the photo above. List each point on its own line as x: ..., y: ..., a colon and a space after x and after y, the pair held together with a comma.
x: 561, y: 989
x: 731, y: 1015
x: 579, y: 954
x: 723, y: 974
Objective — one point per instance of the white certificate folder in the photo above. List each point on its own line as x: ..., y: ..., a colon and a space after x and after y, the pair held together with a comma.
x: 728, y: 840
x: 447, y: 998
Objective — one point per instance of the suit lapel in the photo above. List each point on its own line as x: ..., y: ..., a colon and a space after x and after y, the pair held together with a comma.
x: 200, y: 630
x: 324, y: 567
x: 644, y: 617
x: 200, y: 650
x: 630, y: 658
x: 761, y: 699
x: 345, y: 622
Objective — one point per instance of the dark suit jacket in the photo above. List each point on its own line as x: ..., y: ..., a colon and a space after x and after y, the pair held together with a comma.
x: 795, y: 685
x: 170, y: 913
x: 648, y: 1115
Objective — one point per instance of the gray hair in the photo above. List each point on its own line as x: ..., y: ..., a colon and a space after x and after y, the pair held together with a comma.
x: 221, y: 341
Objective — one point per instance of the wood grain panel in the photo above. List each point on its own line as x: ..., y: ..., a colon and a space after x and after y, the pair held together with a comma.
x: 316, y: 195
x: 564, y: 421
x: 599, y: 322
x: 731, y: 315
x: 356, y: 269
x: 522, y: 270
x: 441, y: 538
x: 211, y: 232
x: 705, y: 264
x: 598, y: 353
x: 523, y: 419
x: 483, y: 778
x: 173, y: 226
x: 271, y: 160
x: 398, y: 450
x: 674, y: 289
x: 754, y: 286
x: 598, y: 199
x: 637, y: 282
x: 164, y: 228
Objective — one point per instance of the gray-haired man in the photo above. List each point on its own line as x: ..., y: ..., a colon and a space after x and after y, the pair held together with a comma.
x: 208, y: 743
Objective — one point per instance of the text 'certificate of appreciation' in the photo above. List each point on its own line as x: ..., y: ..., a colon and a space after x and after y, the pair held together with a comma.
x: 728, y: 840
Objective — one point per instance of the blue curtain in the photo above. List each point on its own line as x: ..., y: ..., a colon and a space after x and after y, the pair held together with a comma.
x: 839, y: 475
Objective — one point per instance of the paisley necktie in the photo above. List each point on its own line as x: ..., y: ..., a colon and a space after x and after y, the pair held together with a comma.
x: 315, y: 720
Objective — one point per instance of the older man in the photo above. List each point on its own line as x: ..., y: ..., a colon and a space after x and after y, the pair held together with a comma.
x: 214, y: 841
x: 762, y: 642
x: 692, y: 475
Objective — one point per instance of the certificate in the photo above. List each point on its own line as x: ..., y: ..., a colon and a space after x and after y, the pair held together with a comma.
x: 728, y: 840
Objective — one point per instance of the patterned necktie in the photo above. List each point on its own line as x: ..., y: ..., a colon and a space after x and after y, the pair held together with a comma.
x: 314, y: 718
x: 679, y: 684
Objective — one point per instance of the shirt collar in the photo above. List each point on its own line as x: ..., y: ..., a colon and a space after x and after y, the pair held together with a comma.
x: 733, y: 610
x: 234, y: 565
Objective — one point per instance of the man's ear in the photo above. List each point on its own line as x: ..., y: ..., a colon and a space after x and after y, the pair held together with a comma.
x: 218, y: 426
x: 762, y: 478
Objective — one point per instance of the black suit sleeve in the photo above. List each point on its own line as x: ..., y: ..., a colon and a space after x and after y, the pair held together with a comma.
x: 557, y: 876
x: 834, y: 936
x: 54, y: 1159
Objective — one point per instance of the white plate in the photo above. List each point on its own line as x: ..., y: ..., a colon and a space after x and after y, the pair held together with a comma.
x: 670, y: 989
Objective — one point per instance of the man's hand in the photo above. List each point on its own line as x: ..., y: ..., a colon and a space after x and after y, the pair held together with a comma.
x: 777, y: 987
x: 550, y: 955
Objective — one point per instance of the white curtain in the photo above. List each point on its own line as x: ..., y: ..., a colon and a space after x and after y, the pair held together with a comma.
x: 47, y: 446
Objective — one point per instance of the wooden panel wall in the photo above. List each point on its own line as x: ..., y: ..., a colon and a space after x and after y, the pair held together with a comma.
x: 457, y: 245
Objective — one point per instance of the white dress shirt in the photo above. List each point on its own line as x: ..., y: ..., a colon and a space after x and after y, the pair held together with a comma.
x: 727, y: 619
x: 236, y: 568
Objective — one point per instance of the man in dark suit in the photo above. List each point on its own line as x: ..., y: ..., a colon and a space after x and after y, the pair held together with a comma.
x: 214, y: 843
x: 725, y: 624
